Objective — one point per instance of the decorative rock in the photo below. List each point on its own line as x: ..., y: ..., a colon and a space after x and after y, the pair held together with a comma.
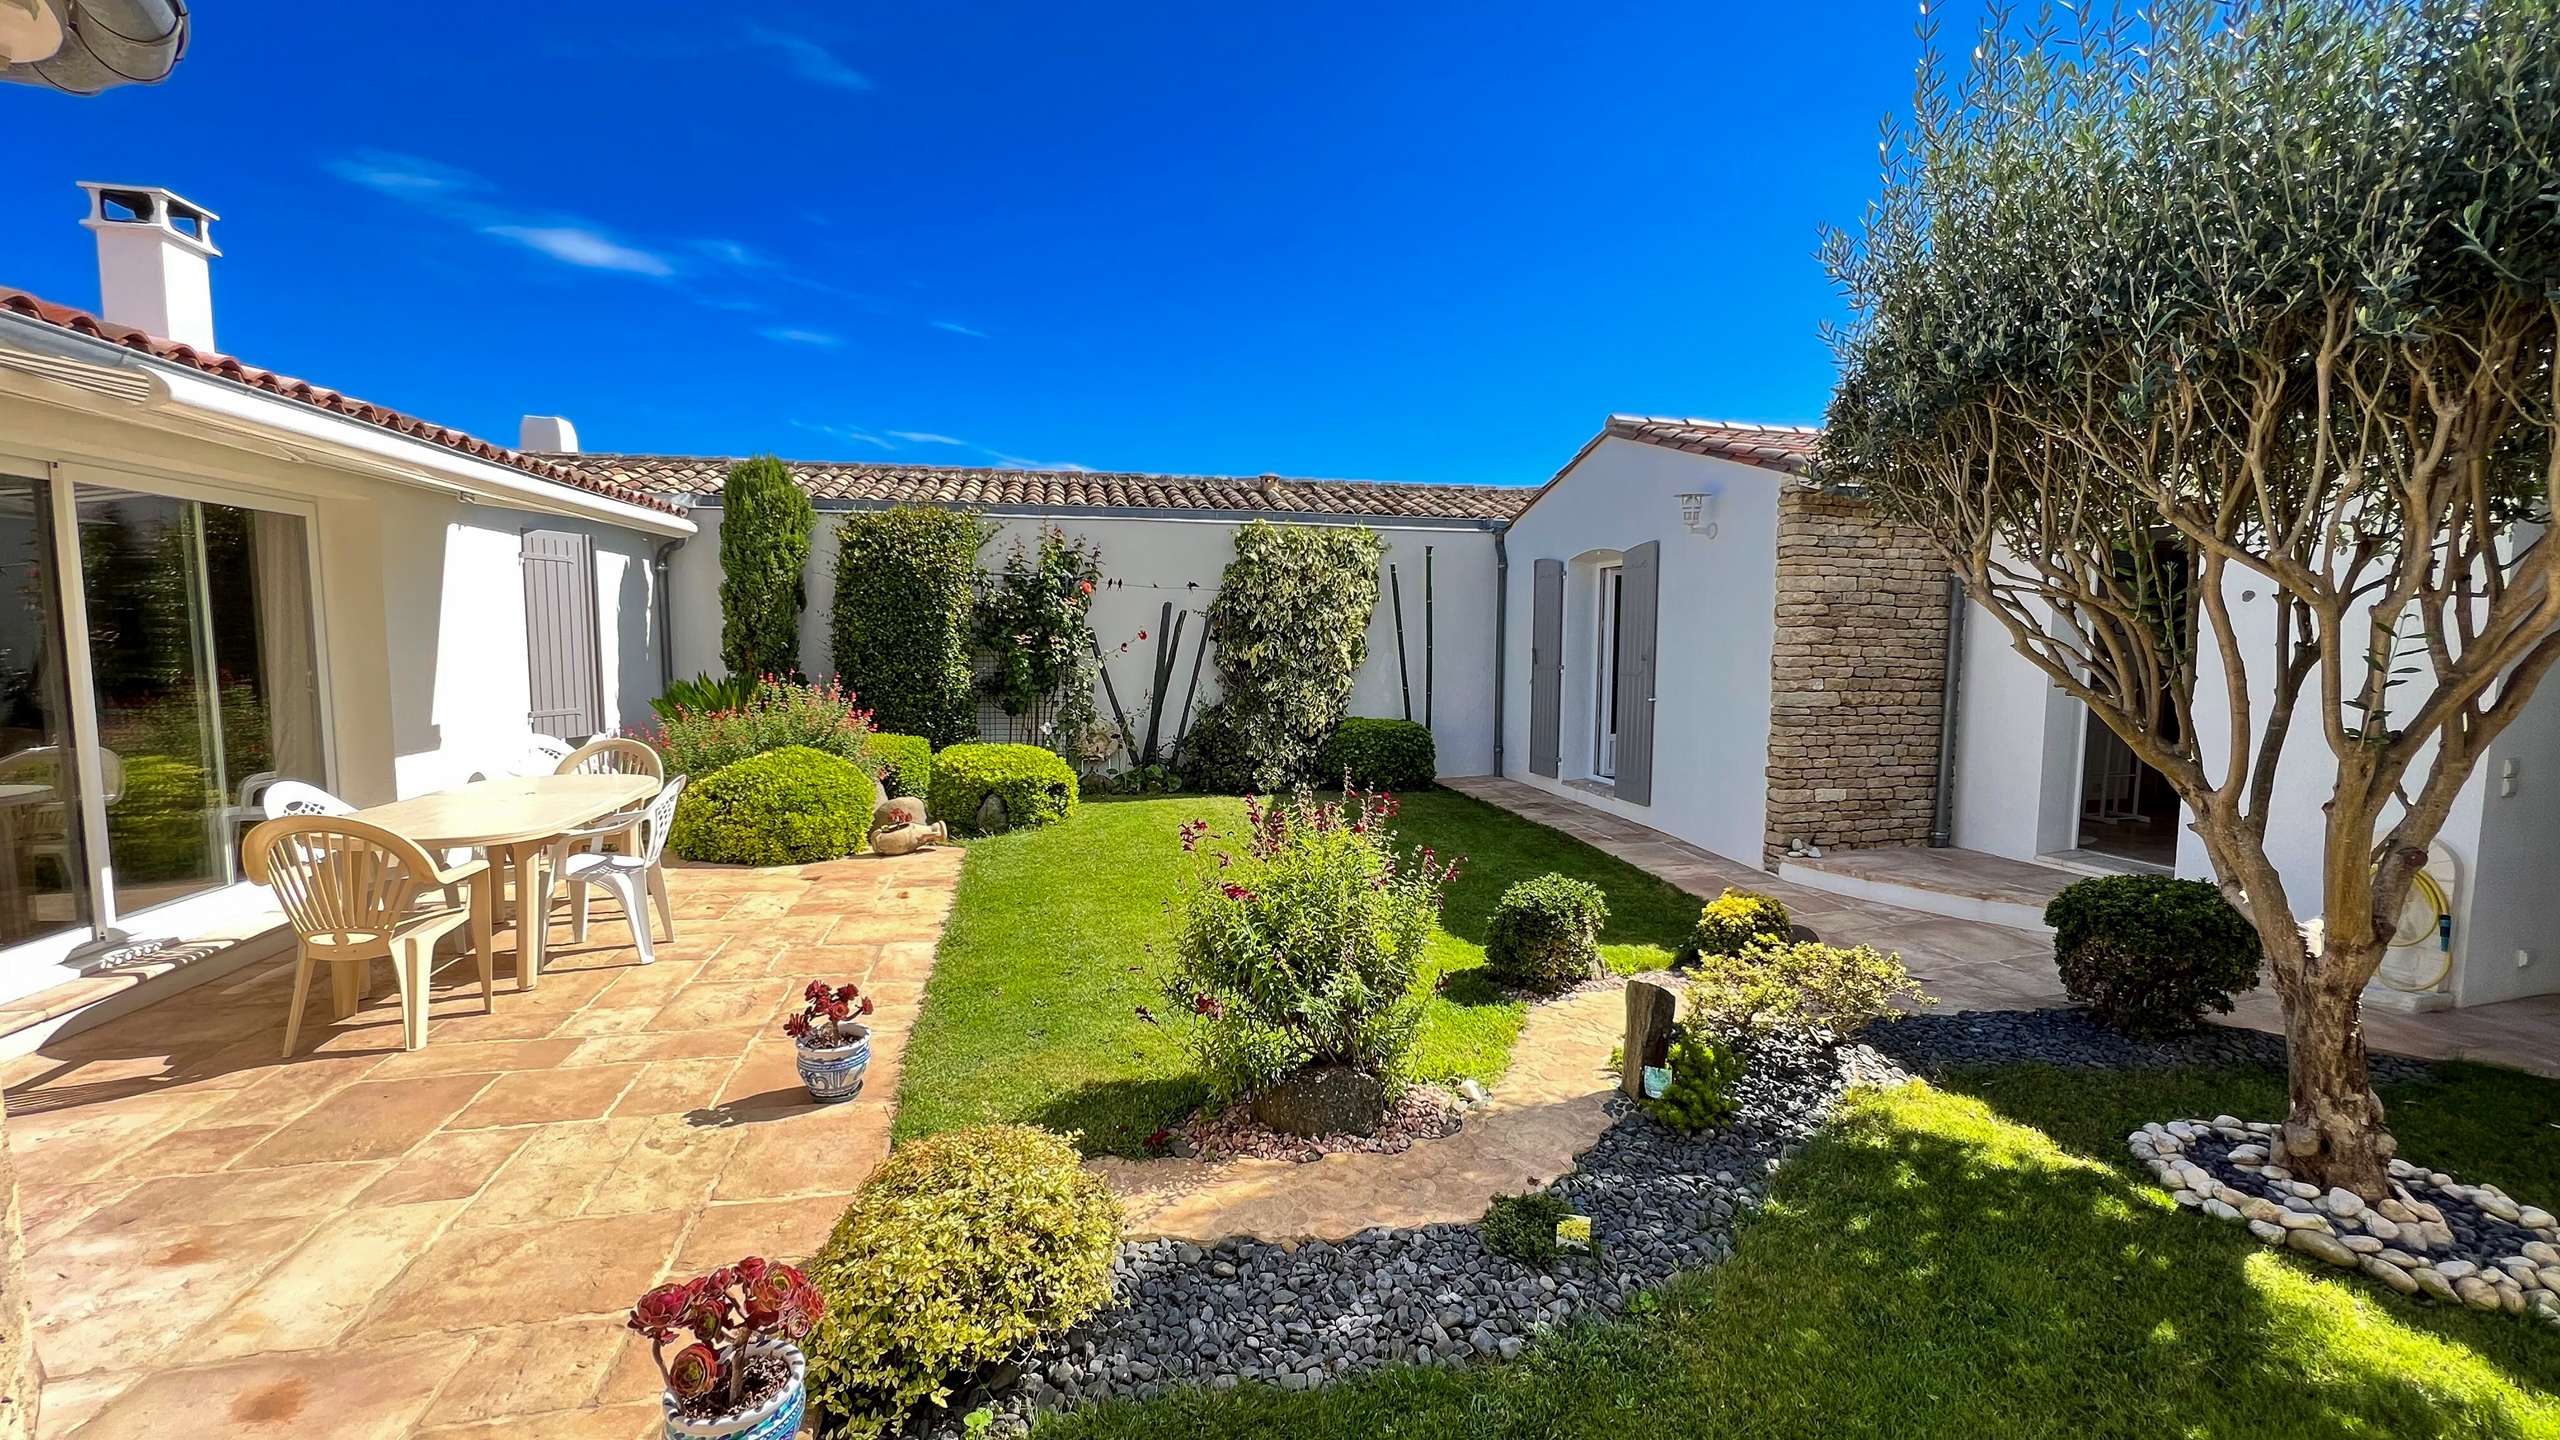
x: 2343, y: 1203
x: 2435, y: 1285
x: 2540, y: 1252
x: 2435, y: 1235
x: 2401, y: 1258
x: 2521, y: 1271
x: 1324, y: 1100
x: 2496, y: 1204
x: 2321, y: 1245
x: 2456, y: 1269
x: 2380, y: 1226
x: 2395, y: 1211
x: 2535, y: 1219
x: 2361, y: 1244
x: 2511, y: 1299
x: 2477, y: 1293
x: 991, y: 817
x: 2550, y: 1277
x: 2263, y: 1210
x: 1652, y: 1002
x: 2302, y: 1220
x: 2389, y: 1274
x: 2219, y: 1211
x: 2271, y: 1234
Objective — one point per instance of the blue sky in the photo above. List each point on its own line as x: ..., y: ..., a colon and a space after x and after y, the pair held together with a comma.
x: 1412, y: 242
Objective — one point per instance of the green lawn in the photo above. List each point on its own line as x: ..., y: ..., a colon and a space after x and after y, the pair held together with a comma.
x: 1989, y: 1263
x: 1032, y: 1010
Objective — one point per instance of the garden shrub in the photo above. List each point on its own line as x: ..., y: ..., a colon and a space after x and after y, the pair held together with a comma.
x: 1212, y: 758
x: 1035, y: 785
x: 1033, y: 628
x: 1378, y: 755
x: 775, y: 714
x: 1705, y: 1067
x: 1524, y: 1227
x: 783, y: 807
x: 1291, y: 627
x: 904, y: 763
x: 961, y: 1251
x: 1300, y: 941
x: 906, y: 581
x: 1732, y: 922
x: 2149, y: 955
x: 1545, y: 933
x: 1794, y: 985
x: 764, y: 554
x: 1143, y: 780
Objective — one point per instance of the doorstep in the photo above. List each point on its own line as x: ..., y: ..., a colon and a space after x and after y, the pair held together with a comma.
x: 1958, y: 884
x: 149, y: 970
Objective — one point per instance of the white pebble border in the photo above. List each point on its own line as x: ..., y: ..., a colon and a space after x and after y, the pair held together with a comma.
x: 2402, y: 1240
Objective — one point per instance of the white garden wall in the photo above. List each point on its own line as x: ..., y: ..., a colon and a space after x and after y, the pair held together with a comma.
x: 1150, y: 560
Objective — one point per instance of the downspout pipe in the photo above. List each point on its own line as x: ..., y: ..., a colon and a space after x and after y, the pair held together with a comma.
x: 1501, y: 639
x: 666, y: 613
x: 1942, y: 824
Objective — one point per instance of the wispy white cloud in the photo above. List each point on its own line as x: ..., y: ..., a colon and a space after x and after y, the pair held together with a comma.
x: 844, y: 432
x: 927, y: 437
x: 411, y: 177
x: 797, y: 335
x: 808, y: 59
x: 956, y: 328
x: 734, y: 253
x: 1016, y: 462
x: 588, y: 249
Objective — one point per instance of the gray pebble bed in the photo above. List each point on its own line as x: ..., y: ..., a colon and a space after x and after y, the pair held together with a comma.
x: 1932, y: 1044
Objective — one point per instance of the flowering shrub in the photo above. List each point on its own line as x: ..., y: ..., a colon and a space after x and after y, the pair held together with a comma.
x: 778, y: 713
x: 821, y: 1024
x: 1031, y: 626
x: 726, y: 1312
x: 1301, y: 940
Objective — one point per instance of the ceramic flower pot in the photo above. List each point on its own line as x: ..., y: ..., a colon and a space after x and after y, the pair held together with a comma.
x: 777, y: 1418
x: 835, y: 1072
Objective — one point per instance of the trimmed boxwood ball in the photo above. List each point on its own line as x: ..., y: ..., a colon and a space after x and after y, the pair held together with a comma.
x: 2149, y: 955
x: 1545, y: 933
x: 1731, y: 922
x: 1035, y: 785
x: 961, y: 1251
x: 904, y: 763
x: 789, y: 806
x: 1378, y: 755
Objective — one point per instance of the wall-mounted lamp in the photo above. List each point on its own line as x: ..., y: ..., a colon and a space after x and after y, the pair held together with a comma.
x: 1698, y: 513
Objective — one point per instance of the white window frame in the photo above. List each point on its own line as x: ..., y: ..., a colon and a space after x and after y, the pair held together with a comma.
x: 107, y: 921
x: 1604, y: 673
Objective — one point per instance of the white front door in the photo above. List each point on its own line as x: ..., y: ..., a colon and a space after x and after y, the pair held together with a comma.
x: 1604, y: 759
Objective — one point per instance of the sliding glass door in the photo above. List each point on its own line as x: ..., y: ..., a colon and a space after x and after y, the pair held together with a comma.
x: 44, y: 878
x: 161, y: 673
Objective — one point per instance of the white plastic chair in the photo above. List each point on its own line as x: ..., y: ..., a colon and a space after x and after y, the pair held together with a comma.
x: 284, y: 798
x: 632, y: 875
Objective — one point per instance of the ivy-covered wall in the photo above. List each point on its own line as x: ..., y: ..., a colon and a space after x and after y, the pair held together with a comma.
x: 905, y: 593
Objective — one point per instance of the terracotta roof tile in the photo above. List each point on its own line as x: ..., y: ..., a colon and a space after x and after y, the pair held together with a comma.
x: 1067, y: 490
x: 80, y: 322
x: 1790, y: 448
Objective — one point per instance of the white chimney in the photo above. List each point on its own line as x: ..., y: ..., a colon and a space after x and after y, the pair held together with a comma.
x: 547, y: 433
x: 152, y: 252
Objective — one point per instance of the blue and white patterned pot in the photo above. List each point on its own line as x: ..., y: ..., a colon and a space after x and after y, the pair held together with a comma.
x: 836, y: 1073
x: 776, y: 1419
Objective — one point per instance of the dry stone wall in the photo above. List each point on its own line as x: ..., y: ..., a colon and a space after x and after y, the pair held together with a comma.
x: 1856, y: 675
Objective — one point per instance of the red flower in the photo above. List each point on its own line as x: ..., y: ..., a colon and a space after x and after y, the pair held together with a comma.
x: 693, y: 1371
x: 1085, y: 586
x: 1204, y: 1003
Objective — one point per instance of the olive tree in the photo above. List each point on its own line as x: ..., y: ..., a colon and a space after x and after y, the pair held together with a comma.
x: 2216, y: 342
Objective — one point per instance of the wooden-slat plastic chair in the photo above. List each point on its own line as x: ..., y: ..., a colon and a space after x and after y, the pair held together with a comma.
x: 350, y: 890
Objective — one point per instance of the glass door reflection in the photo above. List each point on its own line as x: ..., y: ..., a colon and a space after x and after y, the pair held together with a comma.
x: 44, y: 877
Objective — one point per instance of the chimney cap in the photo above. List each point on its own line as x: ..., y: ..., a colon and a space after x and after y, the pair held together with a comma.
x: 551, y: 434
x: 155, y: 207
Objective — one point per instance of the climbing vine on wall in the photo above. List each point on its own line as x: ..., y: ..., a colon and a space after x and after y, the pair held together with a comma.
x: 906, y: 581
x: 1291, y: 626
x: 1033, y: 630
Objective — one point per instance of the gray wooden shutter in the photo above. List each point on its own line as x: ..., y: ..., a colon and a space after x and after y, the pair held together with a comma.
x: 560, y: 634
x: 1546, y: 669
x: 1639, y: 620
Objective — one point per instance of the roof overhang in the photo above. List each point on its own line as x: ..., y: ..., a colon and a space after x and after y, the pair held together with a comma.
x: 111, y: 380
x: 839, y: 503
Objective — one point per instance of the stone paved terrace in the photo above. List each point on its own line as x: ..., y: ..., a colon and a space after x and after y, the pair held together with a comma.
x: 367, y: 1241
x: 1972, y: 965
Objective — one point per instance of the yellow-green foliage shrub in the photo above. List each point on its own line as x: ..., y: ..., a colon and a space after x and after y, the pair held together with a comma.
x: 961, y: 1250
x: 1732, y: 921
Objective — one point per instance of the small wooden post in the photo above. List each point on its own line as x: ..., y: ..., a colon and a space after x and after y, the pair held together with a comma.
x: 1652, y: 1004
